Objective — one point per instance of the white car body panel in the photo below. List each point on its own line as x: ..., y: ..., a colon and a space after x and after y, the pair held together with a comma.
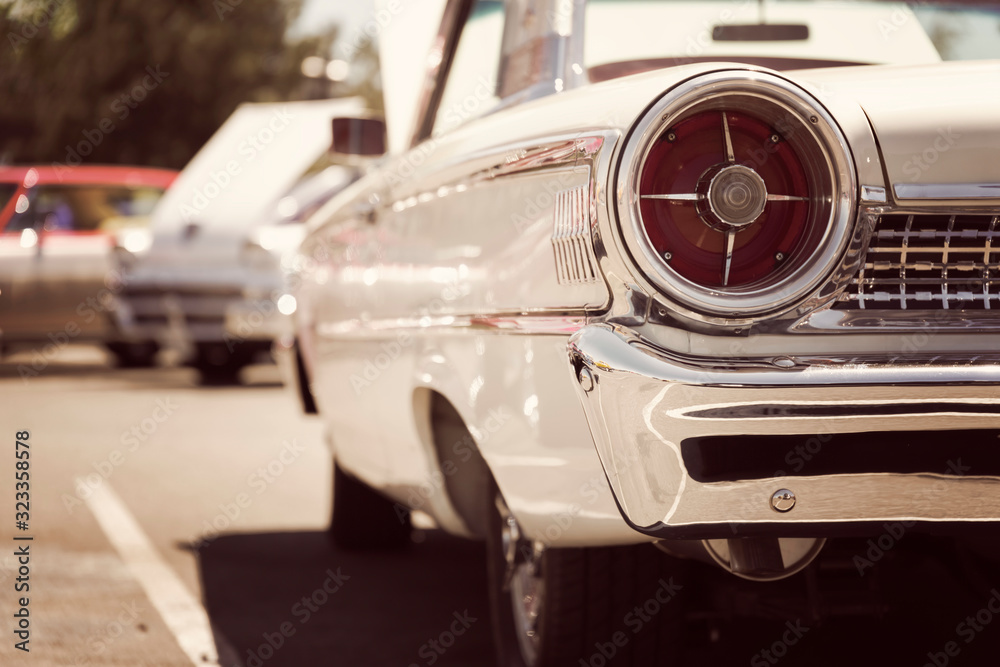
x: 934, y: 124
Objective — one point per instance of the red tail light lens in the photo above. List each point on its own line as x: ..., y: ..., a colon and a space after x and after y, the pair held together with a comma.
x: 737, y: 195
x: 690, y: 158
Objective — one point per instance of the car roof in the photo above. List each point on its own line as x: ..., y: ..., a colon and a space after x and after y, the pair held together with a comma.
x: 89, y: 175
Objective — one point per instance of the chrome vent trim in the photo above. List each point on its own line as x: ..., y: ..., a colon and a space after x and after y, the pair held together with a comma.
x: 571, y: 240
x: 929, y: 262
x: 947, y: 190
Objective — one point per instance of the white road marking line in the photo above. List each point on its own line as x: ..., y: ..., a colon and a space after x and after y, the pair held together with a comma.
x: 182, y: 613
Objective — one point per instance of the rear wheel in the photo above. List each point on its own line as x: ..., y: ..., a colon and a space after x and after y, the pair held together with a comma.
x: 134, y: 355
x: 218, y: 365
x: 593, y: 606
x: 365, y: 519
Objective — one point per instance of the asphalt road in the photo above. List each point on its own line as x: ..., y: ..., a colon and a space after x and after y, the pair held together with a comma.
x: 231, y: 486
x: 175, y: 525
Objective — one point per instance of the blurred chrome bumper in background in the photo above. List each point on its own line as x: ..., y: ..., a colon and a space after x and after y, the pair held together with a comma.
x: 706, y: 449
x: 202, y: 314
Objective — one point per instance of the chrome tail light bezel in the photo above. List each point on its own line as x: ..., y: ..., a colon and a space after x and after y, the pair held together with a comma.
x: 764, y: 90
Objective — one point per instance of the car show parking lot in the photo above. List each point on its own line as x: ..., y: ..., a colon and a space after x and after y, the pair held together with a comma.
x: 228, y: 493
x: 526, y: 333
x: 176, y: 524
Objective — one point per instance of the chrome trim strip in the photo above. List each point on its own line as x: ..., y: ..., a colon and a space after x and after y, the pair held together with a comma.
x: 693, y: 196
x: 947, y: 190
x: 564, y: 151
x: 528, y: 324
x: 641, y: 404
x: 873, y: 194
x: 730, y: 158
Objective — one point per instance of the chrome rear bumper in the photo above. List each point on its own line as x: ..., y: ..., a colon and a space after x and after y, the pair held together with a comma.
x: 208, y: 315
x: 642, y: 404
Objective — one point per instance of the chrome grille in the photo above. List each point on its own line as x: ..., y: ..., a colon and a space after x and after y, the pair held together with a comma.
x: 929, y: 262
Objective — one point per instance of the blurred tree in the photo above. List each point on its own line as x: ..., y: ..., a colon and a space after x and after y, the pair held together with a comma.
x: 135, y: 81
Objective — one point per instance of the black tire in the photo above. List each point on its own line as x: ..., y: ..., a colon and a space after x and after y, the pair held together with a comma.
x: 588, y: 609
x: 363, y: 518
x: 134, y: 355
x: 217, y: 365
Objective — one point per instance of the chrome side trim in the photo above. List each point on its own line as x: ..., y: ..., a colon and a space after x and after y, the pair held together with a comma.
x: 947, y: 190
x: 552, y: 153
x: 535, y: 324
x: 642, y: 404
x: 572, y: 245
x: 873, y: 195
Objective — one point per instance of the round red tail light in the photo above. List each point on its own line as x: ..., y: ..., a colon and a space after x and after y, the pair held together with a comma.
x: 740, y: 191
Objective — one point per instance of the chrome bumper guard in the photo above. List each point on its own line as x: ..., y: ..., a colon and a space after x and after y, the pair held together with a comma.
x: 642, y: 403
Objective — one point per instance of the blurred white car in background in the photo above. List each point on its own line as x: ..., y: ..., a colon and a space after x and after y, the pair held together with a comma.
x: 59, y: 228
x: 210, y: 285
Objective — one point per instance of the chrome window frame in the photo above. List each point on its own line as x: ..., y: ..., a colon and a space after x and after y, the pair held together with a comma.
x: 562, y: 51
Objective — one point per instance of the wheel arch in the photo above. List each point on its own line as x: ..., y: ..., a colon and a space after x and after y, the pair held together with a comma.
x: 464, y: 472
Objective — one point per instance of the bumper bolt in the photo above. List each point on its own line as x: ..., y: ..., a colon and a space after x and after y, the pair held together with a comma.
x: 783, y: 500
x: 586, y: 379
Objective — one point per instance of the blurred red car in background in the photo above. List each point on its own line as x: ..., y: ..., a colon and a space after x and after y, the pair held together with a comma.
x: 58, y: 229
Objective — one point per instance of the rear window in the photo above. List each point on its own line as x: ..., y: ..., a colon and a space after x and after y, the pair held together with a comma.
x: 628, y: 36
x: 7, y: 191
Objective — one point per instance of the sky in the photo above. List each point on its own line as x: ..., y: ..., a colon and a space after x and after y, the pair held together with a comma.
x: 318, y: 14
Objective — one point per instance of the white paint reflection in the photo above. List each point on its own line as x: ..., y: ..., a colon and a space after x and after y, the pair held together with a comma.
x: 531, y: 408
x: 474, y: 388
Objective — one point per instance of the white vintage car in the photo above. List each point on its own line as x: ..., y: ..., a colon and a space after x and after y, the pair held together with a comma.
x: 718, y: 277
x: 209, y: 280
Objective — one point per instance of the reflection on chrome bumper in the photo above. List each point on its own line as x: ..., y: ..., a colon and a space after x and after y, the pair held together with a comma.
x: 643, y: 405
x: 257, y: 320
x: 209, y: 316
